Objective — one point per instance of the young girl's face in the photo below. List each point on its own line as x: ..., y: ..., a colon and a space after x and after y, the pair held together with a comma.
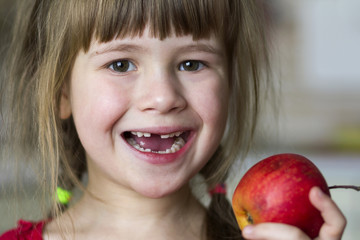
x: 149, y: 113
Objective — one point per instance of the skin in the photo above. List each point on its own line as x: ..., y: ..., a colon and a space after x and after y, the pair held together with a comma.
x: 127, y: 197
x: 156, y: 93
x: 332, y: 229
x: 255, y: 202
x: 154, y: 96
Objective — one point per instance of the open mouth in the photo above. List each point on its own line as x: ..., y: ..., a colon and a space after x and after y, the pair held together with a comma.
x: 157, y: 143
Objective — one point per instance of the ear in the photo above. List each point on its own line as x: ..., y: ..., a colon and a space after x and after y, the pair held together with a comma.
x: 65, y: 104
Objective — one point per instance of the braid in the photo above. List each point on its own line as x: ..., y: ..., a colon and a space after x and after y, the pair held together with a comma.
x: 220, y: 220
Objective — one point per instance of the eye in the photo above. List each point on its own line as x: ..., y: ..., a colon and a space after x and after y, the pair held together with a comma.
x: 191, y: 65
x: 122, y: 66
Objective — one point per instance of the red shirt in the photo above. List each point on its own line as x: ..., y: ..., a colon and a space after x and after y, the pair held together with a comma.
x: 25, y: 231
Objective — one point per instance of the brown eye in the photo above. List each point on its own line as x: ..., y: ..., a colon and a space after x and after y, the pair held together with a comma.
x: 191, y: 66
x: 122, y: 66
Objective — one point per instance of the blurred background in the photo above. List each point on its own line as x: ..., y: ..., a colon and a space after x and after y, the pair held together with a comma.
x: 316, y: 46
x: 317, y: 61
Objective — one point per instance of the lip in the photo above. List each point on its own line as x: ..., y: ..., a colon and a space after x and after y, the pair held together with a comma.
x: 156, y: 158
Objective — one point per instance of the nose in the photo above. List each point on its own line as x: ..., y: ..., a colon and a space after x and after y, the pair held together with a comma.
x: 160, y: 93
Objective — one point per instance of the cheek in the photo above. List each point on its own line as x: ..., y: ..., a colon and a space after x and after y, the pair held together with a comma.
x: 96, y: 110
x: 211, y: 103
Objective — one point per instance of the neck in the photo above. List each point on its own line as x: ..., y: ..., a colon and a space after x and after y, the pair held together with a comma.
x: 128, y: 213
x: 129, y: 204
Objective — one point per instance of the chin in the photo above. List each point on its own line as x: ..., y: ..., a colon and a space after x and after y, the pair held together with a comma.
x: 155, y: 193
x: 156, y: 190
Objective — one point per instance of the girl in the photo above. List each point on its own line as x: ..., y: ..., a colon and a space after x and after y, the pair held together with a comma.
x: 142, y: 96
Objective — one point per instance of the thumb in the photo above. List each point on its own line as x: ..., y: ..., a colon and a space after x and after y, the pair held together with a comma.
x: 334, y: 220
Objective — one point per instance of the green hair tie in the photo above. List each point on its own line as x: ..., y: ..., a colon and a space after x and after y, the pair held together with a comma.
x: 63, y: 196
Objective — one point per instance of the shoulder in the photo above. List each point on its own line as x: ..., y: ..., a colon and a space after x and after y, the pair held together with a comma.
x: 24, y: 231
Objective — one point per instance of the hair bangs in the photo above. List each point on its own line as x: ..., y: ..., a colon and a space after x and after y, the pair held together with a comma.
x: 119, y: 19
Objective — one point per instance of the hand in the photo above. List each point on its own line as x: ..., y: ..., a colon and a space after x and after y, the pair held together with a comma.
x: 332, y: 229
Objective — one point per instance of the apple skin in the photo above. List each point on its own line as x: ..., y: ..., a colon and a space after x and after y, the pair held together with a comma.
x: 276, y: 189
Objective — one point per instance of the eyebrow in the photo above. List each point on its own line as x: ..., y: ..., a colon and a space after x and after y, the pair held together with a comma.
x: 201, y: 47
x: 117, y: 48
x: 198, y: 47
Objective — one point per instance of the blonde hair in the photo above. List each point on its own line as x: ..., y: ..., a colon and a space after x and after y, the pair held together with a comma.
x: 46, y: 44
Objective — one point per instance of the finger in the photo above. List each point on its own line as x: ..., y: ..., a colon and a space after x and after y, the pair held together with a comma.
x: 272, y: 231
x: 335, y: 221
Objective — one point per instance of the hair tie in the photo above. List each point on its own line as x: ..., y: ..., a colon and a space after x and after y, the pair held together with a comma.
x: 63, y: 196
x: 219, y: 188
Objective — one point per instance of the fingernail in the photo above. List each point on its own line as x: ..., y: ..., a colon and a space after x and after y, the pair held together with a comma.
x: 248, y: 231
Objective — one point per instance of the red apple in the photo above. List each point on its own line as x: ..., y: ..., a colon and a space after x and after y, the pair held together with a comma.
x: 276, y: 189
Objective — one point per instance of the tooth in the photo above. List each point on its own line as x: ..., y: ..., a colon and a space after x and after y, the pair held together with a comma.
x: 139, y: 134
x: 172, y: 134
x: 178, y: 134
x: 179, y: 141
x: 131, y: 141
x: 177, y: 145
x: 147, y: 134
x: 165, y: 136
x: 133, y: 133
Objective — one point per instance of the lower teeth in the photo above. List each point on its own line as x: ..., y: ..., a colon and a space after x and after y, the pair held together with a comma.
x: 177, y: 145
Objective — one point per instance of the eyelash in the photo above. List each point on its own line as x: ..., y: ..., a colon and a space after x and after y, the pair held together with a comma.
x: 194, y: 65
x: 128, y: 64
x: 198, y: 65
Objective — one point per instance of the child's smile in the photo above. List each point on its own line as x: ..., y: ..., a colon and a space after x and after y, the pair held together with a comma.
x: 137, y: 97
x: 157, y: 142
x: 149, y: 113
x: 159, y: 145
